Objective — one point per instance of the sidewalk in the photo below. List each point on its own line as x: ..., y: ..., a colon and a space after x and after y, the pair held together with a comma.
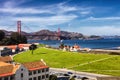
x: 84, y: 74
x: 105, y: 51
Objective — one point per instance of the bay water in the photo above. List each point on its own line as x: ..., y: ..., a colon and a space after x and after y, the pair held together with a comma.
x: 93, y: 44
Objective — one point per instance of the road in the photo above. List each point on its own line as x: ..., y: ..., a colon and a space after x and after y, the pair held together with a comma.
x: 91, y: 76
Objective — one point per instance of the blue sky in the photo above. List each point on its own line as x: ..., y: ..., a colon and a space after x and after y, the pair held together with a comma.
x: 90, y: 17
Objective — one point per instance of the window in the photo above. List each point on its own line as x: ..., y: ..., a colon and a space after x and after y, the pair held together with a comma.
x: 30, y: 72
x: 47, y: 69
x: 21, y: 74
x: 6, y: 78
x: 39, y: 77
x: 42, y: 70
x: 21, y: 69
x: 47, y: 75
x: 11, y: 77
x: 34, y: 72
x: 34, y: 78
x: 30, y: 78
x: 39, y: 71
x: 43, y: 77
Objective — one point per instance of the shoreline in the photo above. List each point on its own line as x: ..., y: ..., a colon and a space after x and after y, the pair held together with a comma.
x: 105, y: 51
x: 97, y: 51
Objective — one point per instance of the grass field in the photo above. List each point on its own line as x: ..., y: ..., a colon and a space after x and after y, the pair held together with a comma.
x: 95, y: 63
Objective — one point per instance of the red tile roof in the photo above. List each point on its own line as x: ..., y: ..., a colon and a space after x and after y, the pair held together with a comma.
x: 23, y: 45
x: 7, y: 69
x: 35, y: 65
x: 6, y: 74
x: 6, y: 58
x: 12, y: 46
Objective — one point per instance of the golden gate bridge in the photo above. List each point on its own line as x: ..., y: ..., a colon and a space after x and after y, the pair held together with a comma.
x: 19, y: 30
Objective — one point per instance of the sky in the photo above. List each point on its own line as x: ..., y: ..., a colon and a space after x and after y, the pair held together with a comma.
x: 89, y: 17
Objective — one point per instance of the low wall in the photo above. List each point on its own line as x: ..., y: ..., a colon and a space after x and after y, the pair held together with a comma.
x: 108, y: 78
x: 102, y: 51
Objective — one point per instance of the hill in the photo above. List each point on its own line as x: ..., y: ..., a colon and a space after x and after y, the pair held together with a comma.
x: 53, y: 35
x: 63, y: 35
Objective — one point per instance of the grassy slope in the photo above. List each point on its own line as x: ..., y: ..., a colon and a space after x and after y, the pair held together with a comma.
x: 60, y: 59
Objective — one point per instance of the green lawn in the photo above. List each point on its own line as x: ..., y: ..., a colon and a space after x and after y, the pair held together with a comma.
x: 73, y: 60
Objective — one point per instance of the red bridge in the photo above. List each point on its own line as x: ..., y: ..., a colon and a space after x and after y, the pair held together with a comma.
x: 19, y: 31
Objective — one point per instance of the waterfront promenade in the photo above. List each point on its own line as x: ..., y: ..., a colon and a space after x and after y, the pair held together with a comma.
x: 106, y: 51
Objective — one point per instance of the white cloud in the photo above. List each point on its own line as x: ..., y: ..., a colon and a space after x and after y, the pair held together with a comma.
x: 99, y: 30
x: 13, y: 3
x: 53, y: 20
x: 64, y: 8
x: 24, y: 11
x: 8, y: 28
x: 85, y: 12
x: 9, y: 4
x: 103, y: 18
x: 54, y: 9
x: 61, y: 8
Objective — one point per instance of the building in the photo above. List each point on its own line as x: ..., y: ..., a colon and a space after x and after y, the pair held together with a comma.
x: 5, y: 51
x: 26, y: 71
x: 37, y: 70
x: 24, y: 46
x: 7, y: 71
x: 6, y: 59
x: 12, y: 49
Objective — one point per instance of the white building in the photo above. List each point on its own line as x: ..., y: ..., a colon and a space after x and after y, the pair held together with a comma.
x: 27, y: 71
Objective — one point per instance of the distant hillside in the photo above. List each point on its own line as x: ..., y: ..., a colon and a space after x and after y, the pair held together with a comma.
x: 9, y: 32
x: 52, y: 35
x: 63, y: 35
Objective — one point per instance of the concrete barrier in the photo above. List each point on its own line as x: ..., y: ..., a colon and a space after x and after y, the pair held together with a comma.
x: 108, y: 78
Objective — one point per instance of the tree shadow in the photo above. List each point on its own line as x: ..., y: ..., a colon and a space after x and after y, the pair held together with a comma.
x: 41, y: 53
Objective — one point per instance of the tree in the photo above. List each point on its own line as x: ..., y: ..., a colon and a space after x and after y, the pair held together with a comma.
x: 17, y: 38
x: 6, y: 41
x: 32, y: 47
x: 23, y: 39
x: 2, y: 35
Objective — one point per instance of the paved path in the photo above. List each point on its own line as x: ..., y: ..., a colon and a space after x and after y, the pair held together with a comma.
x: 92, y: 62
x: 81, y: 74
x: 106, y: 50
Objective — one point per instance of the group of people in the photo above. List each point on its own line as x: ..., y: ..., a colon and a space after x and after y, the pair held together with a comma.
x: 70, y: 48
x: 74, y: 48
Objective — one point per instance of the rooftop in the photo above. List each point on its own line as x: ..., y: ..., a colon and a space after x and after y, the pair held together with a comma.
x: 7, y: 69
x: 6, y: 58
x: 35, y: 65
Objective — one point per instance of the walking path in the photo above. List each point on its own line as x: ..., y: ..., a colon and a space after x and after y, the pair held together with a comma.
x: 82, y: 74
x: 92, y: 62
x: 105, y: 50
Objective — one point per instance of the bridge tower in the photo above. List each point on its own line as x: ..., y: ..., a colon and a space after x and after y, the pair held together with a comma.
x: 58, y: 34
x: 19, y: 27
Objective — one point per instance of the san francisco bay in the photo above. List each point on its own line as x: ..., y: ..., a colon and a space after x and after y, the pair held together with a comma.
x: 94, y: 44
